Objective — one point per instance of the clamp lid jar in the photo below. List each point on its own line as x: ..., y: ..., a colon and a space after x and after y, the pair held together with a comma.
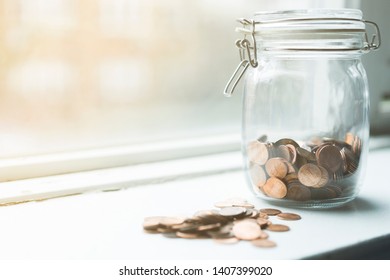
x: 305, y: 123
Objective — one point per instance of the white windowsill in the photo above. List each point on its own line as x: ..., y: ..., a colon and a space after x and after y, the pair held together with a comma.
x: 108, y: 225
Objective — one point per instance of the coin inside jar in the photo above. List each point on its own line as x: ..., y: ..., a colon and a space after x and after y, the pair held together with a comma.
x: 258, y: 152
x: 275, y: 188
x: 276, y: 167
x: 258, y: 175
x: 309, y: 174
x: 329, y: 156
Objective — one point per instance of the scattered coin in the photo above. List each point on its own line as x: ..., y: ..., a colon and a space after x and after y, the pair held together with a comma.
x: 289, y: 216
x: 246, y: 230
x: 232, y: 211
x: 270, y: 211
x: 278, y: 227
x: 228, y: 225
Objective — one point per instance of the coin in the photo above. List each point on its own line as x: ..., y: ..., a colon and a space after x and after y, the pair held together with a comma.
x: 232, y: 211
x: 240, y: 224
x: 286, y: 141
x: 278, y: 227
x: 170, y: 221
x: 263, y: 223
x: 298, y: 192
x: 276, y: 167
x: 264, y: 243
x: 329, y: 156
x: 269, y: 212
x: 309, y: 174
x: 188, y: 235
x: 258, y: 175
x: 289, y: 216
x: 258, y: 152
x: 306, y: 154
x: 275, y: 188
x: 284, y: 152
x: 246, y: 230
x: 324, y: 179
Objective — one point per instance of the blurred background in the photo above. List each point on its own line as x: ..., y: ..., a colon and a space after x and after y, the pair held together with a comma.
x: 82, y: 74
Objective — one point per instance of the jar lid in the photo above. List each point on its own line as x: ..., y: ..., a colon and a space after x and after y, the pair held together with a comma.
x: 311, y: 29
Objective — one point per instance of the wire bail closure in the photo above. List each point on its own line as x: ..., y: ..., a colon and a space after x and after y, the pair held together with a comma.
x: 248, y: 49
x: 244, y: 47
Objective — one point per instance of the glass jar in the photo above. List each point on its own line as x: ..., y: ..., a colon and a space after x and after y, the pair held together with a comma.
x: 305, y: 126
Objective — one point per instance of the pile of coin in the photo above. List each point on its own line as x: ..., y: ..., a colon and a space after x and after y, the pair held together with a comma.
x: 235, y: 219
x: 313, y: 170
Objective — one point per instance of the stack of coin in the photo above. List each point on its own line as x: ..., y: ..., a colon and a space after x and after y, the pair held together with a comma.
x: 314, y: 170
x: 235, y: 220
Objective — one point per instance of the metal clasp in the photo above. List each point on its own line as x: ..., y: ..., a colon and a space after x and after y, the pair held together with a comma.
x: 375, y: 42
x: 244, y: 47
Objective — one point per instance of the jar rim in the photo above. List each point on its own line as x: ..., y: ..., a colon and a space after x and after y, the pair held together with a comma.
x: 309, y: 13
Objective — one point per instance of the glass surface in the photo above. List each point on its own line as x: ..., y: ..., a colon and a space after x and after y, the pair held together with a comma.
x: 305, y: 125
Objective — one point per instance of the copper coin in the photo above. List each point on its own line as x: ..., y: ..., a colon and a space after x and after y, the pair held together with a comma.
x: 284, y: 152
x: 349, y: 138
x: 188, y: 235
x: 275, y: 188
x: 258, y: 152
x: 286, y: 141
x: 289, y: 216
x: 278, y: 227
x: 170, y: 221
x: 246, y: 230
x: 298, y: 192
x: 309, y: 174
x: 263, y: 215
x: 324, y: 178
x: 258, y: 175
x: 306, y: 154
x: 270, y: 212
x: 152, y: 223
x: 232, y: 211
x: 276, y: 167
x: 329, y: 156
x: 293, y: 153
x: 263, y: 223
x: 263, y: 243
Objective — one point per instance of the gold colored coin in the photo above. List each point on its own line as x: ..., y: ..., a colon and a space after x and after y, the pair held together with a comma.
x: 246, y: 230
x: 278, y: 228
x: 309, y: 174
x: 289, y: 216
x: 275, y: 188
x: 263, y: 243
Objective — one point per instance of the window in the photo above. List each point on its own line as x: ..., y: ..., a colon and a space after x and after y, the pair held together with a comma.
x: 81, y: 75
